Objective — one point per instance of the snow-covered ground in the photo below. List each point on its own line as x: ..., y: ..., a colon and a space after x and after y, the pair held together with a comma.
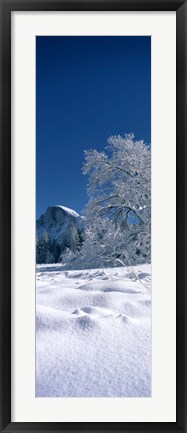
x: 93, y: 332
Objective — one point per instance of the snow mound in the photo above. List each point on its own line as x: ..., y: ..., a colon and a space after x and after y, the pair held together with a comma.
x: 93, y: 332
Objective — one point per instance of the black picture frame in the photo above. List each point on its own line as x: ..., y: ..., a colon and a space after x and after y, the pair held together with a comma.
x: 6, y: 7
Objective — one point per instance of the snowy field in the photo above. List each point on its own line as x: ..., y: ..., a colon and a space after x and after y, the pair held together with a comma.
x: 93, y: 332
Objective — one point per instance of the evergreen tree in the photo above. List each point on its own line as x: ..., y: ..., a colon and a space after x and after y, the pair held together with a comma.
x: 42, y: 248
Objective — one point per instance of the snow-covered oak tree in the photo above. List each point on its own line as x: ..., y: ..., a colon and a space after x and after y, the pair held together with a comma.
x: 120, y: 188
x: 118, y: 215
x: 120, y: 183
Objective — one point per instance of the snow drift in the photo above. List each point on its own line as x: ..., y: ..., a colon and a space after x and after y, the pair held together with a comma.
x: 93, y: 332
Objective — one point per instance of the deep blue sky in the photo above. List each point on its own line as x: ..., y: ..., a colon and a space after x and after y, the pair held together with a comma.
x: 87, y: 88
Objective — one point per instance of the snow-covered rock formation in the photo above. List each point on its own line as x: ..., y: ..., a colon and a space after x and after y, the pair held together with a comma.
x: 61, y: 224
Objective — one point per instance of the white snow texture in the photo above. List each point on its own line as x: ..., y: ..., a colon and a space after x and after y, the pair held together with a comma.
x: 93, y: 332
x: 68, y: 210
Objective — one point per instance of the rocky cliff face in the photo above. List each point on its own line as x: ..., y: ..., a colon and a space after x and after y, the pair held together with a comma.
x: 61, y: 224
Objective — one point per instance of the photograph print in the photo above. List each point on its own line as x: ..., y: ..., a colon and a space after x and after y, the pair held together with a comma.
x: 93, y: 216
